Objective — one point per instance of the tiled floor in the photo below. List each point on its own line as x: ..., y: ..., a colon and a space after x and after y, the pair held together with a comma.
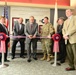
x: 20, y: 66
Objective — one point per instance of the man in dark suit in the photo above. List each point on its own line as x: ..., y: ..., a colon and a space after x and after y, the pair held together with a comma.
x: 4, y: 30
x: 31, y: 33
x: 62, y: 47
x: 18, y: 31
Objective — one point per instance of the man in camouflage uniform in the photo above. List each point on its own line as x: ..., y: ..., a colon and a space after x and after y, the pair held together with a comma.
x: 46, y: 31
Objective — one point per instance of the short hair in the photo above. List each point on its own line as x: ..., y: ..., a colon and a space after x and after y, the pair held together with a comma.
x: 2, y: 17
x: 62, y: 18
x: 70, y: 10
x: 31, y: 16
x: 46, y: 17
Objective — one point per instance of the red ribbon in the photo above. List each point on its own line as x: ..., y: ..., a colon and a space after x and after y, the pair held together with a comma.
x: 2, y: 42
x: 56, y: 38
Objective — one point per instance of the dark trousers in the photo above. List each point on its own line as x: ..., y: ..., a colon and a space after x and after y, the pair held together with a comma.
x: 33, y: 42
x: 62, y: 52
x: 5, y: 55
x: 22, y: 44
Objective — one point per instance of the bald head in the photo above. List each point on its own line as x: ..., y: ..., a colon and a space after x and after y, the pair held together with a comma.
x: 20, y: 20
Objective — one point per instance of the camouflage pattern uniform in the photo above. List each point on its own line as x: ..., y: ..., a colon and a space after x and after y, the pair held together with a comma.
x: 46, y: 30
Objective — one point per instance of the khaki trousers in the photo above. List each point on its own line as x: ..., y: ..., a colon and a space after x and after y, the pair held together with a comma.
x: 71, y: 54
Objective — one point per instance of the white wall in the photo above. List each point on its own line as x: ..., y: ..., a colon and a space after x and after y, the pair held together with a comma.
x: 73, y: 3
x: 1, y: 11
x: 26, y: 12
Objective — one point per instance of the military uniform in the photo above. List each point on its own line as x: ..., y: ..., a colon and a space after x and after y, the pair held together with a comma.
x: 46, y: 30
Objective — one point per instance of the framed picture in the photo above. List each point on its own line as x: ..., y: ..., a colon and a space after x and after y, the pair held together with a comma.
x: 39, y: 29
x: 27, y: 20
x: 14, y: 19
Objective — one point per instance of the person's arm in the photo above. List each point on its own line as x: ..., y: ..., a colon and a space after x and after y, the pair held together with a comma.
x: 36, y: 32
x: 51, y: 30
x: 26, y: 31
x: 72, y: 30
x: 63, y: 29
x: 14, y: 28
x: 65, y: 35
x: 0, y: 28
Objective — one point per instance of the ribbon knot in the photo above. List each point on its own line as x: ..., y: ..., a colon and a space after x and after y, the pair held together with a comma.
x: 56, y: 38
x: 2, y: 42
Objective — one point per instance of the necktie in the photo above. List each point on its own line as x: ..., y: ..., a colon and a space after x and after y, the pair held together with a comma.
x: 31, y: 26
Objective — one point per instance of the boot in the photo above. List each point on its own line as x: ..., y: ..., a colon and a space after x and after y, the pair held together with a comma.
x: 48, y: 58
x: 44, y: 57
x: 51, y: 56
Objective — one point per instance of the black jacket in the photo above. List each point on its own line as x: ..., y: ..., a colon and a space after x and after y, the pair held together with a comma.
x: 2, y: 29
x: 59, y: 31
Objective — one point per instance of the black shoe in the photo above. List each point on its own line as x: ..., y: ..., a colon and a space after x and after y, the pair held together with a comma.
x: 13, y: 57
x: 22, y: 56
x: 6, y: 60
x: 29, y: 60
x: 62, y: 61
x: 58, y: 59
x: 35, y: 58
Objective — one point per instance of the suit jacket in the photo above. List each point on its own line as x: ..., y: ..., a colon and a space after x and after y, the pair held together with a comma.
x: 17, y: 31
x: 2, y: 29
x: 29, y: 31
x: 70, y: 29
x: 59, y: 31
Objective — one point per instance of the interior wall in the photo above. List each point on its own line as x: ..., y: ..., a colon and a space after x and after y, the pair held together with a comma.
x: 26, y: 12
x: 2, y: 13
x: 72, y: 2
x: 1, y: 10
x: 61, y: 13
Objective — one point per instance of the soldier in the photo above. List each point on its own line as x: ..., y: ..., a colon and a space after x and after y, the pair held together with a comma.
x: 46, y: 31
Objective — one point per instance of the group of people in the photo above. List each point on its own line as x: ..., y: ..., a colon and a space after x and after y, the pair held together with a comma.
x: 66, y: 29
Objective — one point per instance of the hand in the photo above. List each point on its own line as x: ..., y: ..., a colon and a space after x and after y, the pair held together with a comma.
x: 49, y: 36
x: 7, y: 36
x: 34, y: 36
x: 66, y: 37
x: 30, y: 36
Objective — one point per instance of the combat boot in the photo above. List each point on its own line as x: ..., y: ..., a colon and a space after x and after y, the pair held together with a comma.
x: 48, y: 58
x: 44, y: 57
